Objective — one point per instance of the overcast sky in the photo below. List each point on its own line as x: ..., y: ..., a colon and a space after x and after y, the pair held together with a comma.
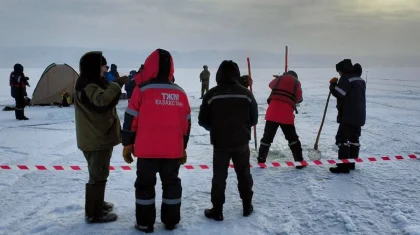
x: 359, y: 27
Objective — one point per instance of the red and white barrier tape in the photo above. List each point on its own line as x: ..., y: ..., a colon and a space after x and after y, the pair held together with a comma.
x: 206, y: 167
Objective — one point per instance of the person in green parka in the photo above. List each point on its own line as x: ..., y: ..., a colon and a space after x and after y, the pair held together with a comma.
x: 98, y: 130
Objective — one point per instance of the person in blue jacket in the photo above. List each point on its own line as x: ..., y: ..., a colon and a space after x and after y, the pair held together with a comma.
x: 350, y: 91
x: 114, y: 71
x: 108, y: 75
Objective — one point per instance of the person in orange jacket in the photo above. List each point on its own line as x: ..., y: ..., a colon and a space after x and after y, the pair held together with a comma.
x: 286, y: 93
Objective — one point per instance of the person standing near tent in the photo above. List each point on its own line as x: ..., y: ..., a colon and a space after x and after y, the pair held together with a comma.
x: 18, y: 83
x: 285, y: 95
x: 156, y: 130
x: 228, y: 111
x: 66, y: 99
x: 205, y: 80
x: 350, y: 91
x: 98, y: 130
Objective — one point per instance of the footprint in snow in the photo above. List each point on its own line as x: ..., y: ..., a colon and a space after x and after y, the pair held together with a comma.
x: 67, y: 209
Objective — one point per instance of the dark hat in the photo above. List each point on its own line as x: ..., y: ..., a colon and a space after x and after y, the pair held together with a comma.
x: 291, y: 72
x: 90, y: 64
x: 345, y: 66
x: 228, y: 71
x: 357, y: 68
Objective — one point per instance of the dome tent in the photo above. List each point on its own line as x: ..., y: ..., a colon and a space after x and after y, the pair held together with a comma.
x: 55, y: 79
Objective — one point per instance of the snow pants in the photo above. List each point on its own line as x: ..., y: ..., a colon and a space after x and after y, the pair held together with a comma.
x: 19, y: 107
x: 347, y: 139
x: 168, y: 170
x: 98, y: 165
x: 290, y: 134
x: 221, y: 159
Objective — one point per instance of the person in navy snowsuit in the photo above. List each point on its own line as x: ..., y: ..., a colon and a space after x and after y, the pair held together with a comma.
x: 18, y: 83
x: 350, y: 92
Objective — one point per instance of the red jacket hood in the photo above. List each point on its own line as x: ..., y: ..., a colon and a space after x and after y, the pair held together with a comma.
x: 159, y: 64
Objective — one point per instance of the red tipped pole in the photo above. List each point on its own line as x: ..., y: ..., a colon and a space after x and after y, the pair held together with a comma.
x: 250, y: 86
x: 286, y: 58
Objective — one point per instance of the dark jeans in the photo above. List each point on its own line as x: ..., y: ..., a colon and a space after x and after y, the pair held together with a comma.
x: 221, y: 160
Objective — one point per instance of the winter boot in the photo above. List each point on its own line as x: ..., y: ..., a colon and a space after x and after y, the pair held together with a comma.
x: 170, y: 227
x: 341, y: 168
x: 263, y: 152
x: 354, y: 153
x: 17, y: 114
x: 215, y: 213
x: 107, y: 206
x: 21, y: 115
x: 248, y: 208
x: 296, y: 149
x: 343, y: 153
x: 94, y: 212
x: 145, y: 229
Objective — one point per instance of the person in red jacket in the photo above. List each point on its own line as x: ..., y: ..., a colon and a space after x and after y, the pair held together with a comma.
x: 286, y: 93
x: 156, y: 130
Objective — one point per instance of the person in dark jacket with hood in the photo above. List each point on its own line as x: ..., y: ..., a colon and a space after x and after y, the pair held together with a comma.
x: 98, y: 131
x: 350, y: 91
x: 18, y: 83
x: 228, y: 111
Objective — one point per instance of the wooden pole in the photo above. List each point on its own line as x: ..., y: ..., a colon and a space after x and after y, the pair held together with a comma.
x: 322, y: 122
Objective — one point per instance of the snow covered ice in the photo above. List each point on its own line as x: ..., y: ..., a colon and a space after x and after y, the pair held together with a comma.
x: 376, y: 198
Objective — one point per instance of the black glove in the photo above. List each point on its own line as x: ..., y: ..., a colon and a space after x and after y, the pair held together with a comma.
x: 121, y: 80
x: 332, y: 86
x: 268, y: 101
x: 183, y: 160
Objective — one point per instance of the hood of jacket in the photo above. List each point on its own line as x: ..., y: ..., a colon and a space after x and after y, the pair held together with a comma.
x: 228, y: 73
x: 18, y: 69
x: 345, y: 66
x: 114, y: 67
x: 158, y: 65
